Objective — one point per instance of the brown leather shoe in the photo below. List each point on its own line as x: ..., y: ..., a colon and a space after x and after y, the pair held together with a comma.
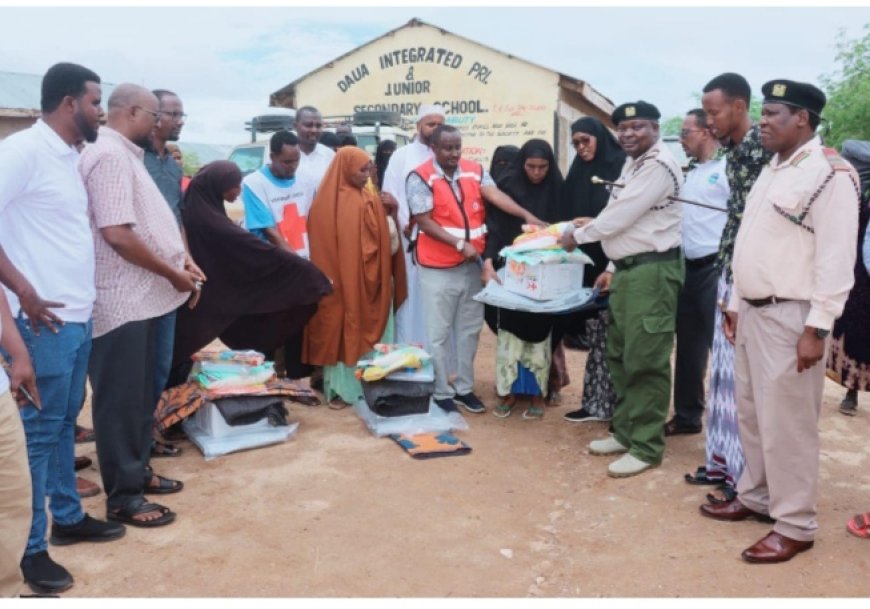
x: 86, y: 488
x: 83, y: 462
x: 732, y: 511
x: 775, y: 548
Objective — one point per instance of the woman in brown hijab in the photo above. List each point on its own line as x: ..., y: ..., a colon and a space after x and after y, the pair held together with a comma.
x: 350, y: 243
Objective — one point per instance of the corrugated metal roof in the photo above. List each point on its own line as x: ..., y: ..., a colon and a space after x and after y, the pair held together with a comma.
x: 20, y: 91
x: 23, y: 91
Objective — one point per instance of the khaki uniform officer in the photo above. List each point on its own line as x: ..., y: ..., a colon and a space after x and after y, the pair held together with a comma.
x: 640, y: 232
x: 793, y: 262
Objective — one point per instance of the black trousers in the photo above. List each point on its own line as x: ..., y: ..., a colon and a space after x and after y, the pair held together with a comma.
x: 293, y: 366
x: 696, y: 313
x: 122, y: 369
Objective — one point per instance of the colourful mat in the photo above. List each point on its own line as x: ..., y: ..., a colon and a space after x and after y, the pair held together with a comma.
x: 431, y: 445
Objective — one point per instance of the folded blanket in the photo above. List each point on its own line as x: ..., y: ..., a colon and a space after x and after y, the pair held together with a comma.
x: 431, y: 445
x: 178, y: 403
x: 248, y: 409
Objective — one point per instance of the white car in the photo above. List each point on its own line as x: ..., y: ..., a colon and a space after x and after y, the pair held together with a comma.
x: 369, y: 128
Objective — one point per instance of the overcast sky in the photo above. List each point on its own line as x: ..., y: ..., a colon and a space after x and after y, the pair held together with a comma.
x: 224, y: 62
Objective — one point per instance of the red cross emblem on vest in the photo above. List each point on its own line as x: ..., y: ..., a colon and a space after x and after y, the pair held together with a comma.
x: 293, y: 227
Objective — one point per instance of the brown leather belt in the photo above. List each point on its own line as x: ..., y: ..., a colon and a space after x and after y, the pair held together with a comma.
x: 763, y: 302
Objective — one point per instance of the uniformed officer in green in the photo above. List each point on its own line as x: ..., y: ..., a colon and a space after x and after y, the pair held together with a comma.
x: 639, y: 231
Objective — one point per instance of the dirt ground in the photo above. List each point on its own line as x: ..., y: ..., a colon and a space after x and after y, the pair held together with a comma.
x: 336, y: 512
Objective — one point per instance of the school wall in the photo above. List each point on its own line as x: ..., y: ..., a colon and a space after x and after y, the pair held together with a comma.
x: 11, y: 124
x: 492, y: 98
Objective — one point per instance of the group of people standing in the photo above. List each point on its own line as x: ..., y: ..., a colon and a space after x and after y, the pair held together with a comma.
x: 110, y: 271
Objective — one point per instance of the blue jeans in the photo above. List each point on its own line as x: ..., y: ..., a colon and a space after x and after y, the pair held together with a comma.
x: 164, y: 341
x: 61, y: 364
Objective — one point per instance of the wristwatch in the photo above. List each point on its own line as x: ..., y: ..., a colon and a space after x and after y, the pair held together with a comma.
x: 460, y: 245
x: 822, y: 334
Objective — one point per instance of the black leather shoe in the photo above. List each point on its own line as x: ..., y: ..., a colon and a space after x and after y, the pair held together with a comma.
x: 44, y: 575
x: 675, y: 427
x: 89, y: 529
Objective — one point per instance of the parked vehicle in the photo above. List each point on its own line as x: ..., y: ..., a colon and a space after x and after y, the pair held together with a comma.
x: 369, y: 129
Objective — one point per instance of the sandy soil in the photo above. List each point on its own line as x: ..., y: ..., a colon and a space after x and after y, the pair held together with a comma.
x: 336, y: 512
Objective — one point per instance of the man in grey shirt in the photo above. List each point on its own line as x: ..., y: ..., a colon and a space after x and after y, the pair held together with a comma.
x: 167, y: 173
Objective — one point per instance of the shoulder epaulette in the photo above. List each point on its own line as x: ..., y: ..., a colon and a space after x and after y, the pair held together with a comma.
x: 800, y: 158
x: 836, y: 162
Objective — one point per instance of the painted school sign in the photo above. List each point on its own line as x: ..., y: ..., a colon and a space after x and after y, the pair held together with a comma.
x: 492, y: 97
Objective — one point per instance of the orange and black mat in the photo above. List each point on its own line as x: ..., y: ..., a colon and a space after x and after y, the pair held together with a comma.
x: 431, y: 445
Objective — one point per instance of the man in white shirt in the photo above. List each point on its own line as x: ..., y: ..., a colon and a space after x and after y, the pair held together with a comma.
x: 277, y: 202
x: 315, y: 157
x: 47, y: 266
x: 410, y: 320
x: 702, y: 228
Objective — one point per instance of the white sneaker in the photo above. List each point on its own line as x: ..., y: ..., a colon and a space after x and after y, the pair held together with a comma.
x: 609, y: 446
x: 626, y: 466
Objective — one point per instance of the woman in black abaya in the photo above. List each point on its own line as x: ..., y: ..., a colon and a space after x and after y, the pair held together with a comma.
x: 525, y: 340
x: 598, y: 154
x: 257, y: 296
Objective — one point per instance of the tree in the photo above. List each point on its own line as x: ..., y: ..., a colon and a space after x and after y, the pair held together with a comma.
x: 848, y: 89
x: 191, y: 163
x: 672, y: 126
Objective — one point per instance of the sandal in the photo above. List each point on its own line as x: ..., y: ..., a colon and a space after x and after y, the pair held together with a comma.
x: 164, y: 486
x: 859, y: 526
x: 162, y: 449
x: 700, y: 477
x: 128, y: 514
x: 533, y: 413
x: 502, y: 411
x: 338, y: 404
x: 174, y: 433
x: 729, y: 494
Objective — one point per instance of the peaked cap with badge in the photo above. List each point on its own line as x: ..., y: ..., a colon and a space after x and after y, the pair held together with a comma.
x: 635, y: 110
x: 796, y: 94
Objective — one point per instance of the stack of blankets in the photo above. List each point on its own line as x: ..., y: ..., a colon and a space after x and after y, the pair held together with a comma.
x: 219, y: 375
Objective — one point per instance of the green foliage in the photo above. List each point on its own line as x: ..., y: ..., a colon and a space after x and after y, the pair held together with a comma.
x: 848, y: 89
x: 191, y: 163
x: 672, y: 126
x: 755, y: 108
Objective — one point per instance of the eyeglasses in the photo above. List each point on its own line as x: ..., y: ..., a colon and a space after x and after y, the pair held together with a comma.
x: 686, y: 132
x: 175, y: 116
x: 154, y: 115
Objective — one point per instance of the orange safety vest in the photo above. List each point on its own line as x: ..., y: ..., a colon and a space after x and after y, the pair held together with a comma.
x: 462, y: 217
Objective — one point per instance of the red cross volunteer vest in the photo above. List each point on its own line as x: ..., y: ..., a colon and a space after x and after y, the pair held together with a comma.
x: 463, y: 217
